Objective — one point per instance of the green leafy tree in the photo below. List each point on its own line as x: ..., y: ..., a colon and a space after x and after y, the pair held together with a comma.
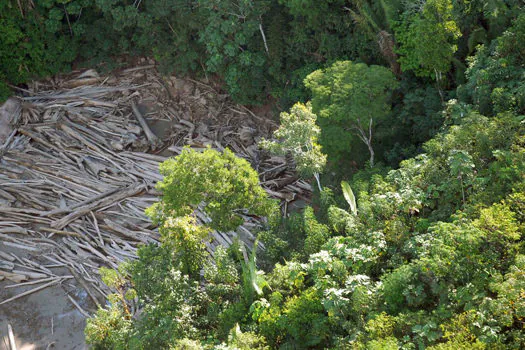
x: 508, y: 309
x: 110, y: 328
x: 350, y: 97
x: 298, y: 135
x: 316, y: 233
x: 375, y: 17
x: 224, y: 184
x: 495, y: 73
x: 167, y: 29
x: 35, y: 40
x: 236, y: 45
x: 246, y: 340
x: 427, y: 37
x: 462, y: 167
x: 185, y: 239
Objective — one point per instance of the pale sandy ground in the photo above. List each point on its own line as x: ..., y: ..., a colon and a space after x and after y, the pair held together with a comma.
x: 45, y: 319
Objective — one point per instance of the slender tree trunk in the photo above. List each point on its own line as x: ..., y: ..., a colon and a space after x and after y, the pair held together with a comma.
x: 371, y: 150
x: 438, y: 81
x: 317, y: 179
x: 263, y: 37
x: 367, y: 139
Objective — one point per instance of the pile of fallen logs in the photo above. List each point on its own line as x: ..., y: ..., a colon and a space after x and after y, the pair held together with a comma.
x: 80, y: 166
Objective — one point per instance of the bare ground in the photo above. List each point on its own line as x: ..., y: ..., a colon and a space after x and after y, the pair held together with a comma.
x: 45, y: 319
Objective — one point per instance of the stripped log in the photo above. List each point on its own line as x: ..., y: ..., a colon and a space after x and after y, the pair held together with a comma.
x: 6, y: 265
x: 11, y: 336
x: 81, y: 204
x: 84, y: 210
x: 152, y: 138
x: 14, y: 277
x: 31, y: 291
x: 6, y: 256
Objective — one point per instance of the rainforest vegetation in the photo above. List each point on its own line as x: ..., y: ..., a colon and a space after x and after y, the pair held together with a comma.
x: 408, y: 118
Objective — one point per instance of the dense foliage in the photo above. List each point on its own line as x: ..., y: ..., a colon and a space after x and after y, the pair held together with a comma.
x: 342, y: 96
x: 412, y: 110
x: 222, y: 184
x: 429, y: 255
x: 255, y: 49
x: 298, y: 135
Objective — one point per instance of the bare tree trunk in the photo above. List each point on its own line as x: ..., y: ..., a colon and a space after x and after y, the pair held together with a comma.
x: 263, y: 37
x: 316, y: 175
x: 438, y: 80
x: 367, y: 139
x: 369, y: 143
x: 371, y: 150
x: 386, y: 44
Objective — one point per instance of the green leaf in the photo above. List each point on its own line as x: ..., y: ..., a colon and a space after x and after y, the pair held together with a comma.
x: 349, y: 196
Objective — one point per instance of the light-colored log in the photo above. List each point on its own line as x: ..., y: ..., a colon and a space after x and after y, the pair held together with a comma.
x: 18, y: 296
x: 152, y: 138
x: 107, y: 201
x: 13, y: 277
x: 11, y: 336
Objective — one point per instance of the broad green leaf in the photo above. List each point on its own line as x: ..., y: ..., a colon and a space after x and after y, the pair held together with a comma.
x: 349, y: 196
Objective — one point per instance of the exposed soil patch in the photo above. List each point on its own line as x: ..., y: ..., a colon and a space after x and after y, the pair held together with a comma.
x: 45, y: 319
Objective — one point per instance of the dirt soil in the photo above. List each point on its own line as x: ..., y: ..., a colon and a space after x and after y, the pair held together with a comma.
x: 53, y: 324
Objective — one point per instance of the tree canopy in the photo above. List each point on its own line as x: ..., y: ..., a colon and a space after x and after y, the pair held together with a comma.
x: 224, y: 185
x: 298, y: 134
x: 349, y: 98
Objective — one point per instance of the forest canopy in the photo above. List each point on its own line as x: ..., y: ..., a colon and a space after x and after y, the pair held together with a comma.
x: 408, y: 118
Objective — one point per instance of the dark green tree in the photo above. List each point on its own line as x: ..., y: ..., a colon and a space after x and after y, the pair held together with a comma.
x: 350, y: 97
x: 427, y: 36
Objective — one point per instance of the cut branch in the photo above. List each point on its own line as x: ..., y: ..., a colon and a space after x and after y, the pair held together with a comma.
x: 152, y: 138
x: 128, y: 192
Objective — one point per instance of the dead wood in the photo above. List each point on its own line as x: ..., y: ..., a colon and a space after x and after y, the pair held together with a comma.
x: 76, y: 176
x: 104, y: 202
x: 86, y: 287
x: 57, y: 280
x: 152, y: 138
x: 11, y: 336
x: 14, y: 277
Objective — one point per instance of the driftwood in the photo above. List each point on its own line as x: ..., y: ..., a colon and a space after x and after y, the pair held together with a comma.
x: 6, y: 265
x: 84, y: 313
x: 81, y: 211
x: 6, y: 256
x: 37, y: 281
x: 14, y: 277
x: 124, y: 231
x: 81, y: 204
x: 32, y: 275
x: 90, y: 292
